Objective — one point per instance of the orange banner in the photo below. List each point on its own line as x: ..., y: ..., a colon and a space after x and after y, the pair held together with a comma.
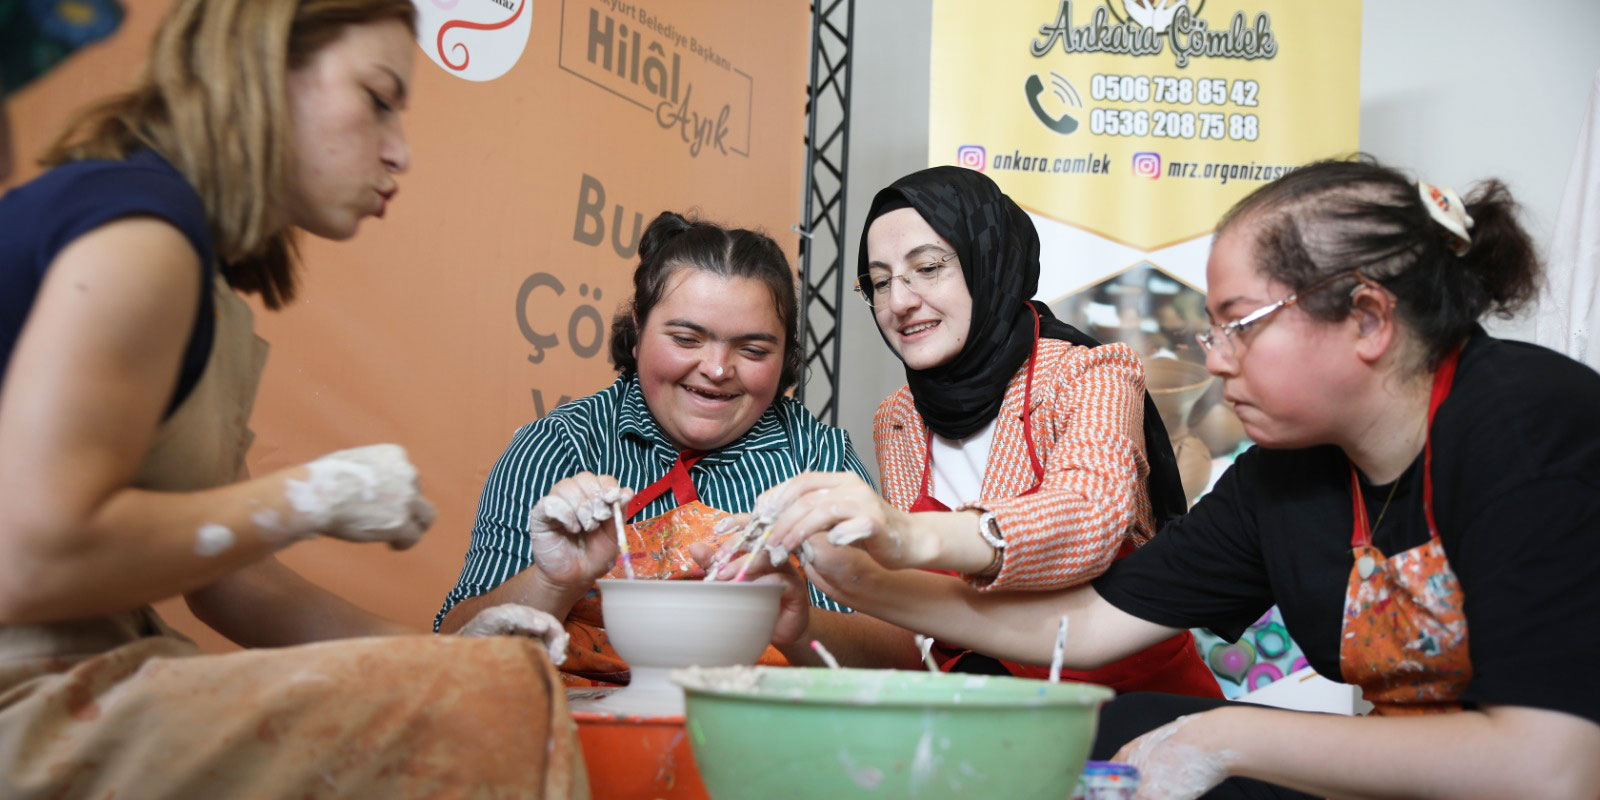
x: 545, y: 135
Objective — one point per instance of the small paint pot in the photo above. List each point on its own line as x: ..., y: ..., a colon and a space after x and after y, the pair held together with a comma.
x: 1104, y: 780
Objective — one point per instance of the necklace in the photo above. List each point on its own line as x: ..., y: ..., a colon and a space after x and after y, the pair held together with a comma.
x: 1385, y: 509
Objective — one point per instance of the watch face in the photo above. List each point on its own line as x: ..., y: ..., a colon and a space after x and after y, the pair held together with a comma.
x: 989, y: 529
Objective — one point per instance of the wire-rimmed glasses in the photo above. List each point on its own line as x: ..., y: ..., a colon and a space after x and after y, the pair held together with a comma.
x: 919, y: 279
x: 1222, y: 336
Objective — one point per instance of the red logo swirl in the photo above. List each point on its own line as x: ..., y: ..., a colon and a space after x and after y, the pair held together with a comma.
x: 476, y: 26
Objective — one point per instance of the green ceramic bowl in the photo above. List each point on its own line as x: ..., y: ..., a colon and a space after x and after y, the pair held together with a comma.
x: 819, y: 733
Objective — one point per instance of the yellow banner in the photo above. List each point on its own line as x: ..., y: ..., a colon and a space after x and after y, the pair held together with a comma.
x: 1126, y: 128
x: 1140, y: 120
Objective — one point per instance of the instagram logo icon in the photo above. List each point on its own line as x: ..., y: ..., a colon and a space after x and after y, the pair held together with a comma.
x: 972, y: 156
x: 1147, y: 165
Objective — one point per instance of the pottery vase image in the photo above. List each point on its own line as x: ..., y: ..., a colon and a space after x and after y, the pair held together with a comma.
x: 1175, y: 386
x: 1219, y: 428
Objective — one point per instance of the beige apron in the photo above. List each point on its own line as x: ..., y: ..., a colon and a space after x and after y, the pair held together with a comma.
x: 122, y: 706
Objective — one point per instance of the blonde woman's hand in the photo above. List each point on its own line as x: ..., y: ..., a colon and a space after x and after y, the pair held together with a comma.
x: 365, y: 494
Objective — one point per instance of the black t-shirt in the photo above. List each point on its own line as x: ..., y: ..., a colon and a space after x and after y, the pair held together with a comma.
x: 1517, y: 499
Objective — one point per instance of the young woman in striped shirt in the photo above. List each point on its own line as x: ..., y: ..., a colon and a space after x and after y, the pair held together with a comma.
x: 706, y: 349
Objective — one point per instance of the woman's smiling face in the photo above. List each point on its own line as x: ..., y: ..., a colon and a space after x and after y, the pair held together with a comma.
x: 929, y: 328
x: 710, y: 357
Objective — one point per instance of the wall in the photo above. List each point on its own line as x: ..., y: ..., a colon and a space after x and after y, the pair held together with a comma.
x: 888, y: 138
x: 1454, y: 91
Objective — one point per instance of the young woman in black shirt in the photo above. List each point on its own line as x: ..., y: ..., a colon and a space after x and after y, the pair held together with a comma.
x: 1416, y: 482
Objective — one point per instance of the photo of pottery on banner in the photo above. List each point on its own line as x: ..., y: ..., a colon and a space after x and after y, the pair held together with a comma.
x: 1158, y: 316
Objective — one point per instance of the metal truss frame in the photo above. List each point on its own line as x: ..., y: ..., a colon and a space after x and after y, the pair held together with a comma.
x: 822, y: 229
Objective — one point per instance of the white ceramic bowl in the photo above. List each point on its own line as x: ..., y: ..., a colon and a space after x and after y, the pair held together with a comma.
x: 689, y: 623
x: 659, y: 626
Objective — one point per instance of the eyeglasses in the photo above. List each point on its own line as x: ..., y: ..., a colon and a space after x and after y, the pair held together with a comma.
x: 919, y: 279
x: 1222, y: 336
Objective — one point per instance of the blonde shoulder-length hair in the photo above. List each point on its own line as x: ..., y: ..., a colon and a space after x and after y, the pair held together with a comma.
x: 211, y: 99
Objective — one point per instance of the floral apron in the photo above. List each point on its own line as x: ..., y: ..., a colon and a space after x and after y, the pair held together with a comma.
x: 1404, y: 636
x: 658, y: 549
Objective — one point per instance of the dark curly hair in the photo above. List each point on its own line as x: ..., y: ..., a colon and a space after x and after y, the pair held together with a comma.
x: 1359, y: 215
x: 673, y: 242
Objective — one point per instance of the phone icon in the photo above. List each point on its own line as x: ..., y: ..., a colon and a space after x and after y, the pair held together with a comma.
x: 1034, y: 88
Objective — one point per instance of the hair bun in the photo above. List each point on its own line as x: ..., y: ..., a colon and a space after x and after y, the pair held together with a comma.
x: 1502, y: 255
x: 667, y: 225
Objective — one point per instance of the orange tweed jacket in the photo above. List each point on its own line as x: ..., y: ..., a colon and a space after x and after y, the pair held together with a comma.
x: 1086, y: 414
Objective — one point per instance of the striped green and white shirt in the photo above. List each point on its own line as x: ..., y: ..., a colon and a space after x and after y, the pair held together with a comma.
x: 613, y: 433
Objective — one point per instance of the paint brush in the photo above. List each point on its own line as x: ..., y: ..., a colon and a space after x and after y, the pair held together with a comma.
x: 622, y: 538
x: 766, y: 531
x: 822, y: 652
x: 1060, y: 651
x: 925, y: 646
x: 727, y: 555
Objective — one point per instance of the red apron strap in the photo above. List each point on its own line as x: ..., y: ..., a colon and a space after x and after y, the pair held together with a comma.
x: 677, y: 479
x: 925, y: 494
x: 1361, y: 531
x: 1442, y: 381
x: 1027, y: 405
x: 925, y: 501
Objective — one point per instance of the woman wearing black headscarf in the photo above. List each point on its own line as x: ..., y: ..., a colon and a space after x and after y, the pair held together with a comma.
x: 1020, y: 454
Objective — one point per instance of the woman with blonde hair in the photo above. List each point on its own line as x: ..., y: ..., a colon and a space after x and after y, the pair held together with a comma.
x: 128, y: 367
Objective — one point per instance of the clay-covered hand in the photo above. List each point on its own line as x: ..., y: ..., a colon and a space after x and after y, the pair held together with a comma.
x: 794, y: 609
x: 366, y: 494
x: 836, y: 571
x: 1179, y: 760
x: 845, y: 509
x: 741, y: 535
x: 572, y: 529
x: 513, y: 619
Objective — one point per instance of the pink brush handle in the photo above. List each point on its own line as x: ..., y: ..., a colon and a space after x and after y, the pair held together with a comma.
x: 827, y: 657
x: 760, y: 543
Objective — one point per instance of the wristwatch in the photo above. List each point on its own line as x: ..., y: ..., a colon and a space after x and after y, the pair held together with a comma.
x: 989, y: 529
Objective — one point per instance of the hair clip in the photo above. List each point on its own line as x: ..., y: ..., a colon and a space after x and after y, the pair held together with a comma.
x: 1446, y: 208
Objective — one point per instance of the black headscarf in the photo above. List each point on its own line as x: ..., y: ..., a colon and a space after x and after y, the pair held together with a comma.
x: 999, y: 252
